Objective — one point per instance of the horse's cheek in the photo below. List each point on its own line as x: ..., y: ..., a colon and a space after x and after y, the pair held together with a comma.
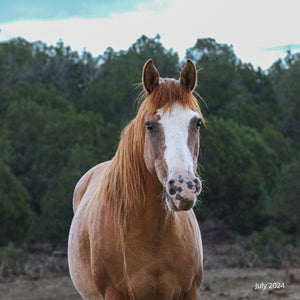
x: 149, y: 157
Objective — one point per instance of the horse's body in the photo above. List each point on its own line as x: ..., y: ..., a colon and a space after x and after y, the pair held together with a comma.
x: 126, y: 241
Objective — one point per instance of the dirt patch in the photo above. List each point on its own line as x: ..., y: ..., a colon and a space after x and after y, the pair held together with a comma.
x: 223, y: 283
x: 55, y: 288
x: 238, y: 284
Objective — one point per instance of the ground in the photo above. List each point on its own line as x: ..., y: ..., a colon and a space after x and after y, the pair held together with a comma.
x: 223, y: 283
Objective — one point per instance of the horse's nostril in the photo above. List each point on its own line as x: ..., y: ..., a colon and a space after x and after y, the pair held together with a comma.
x: 172, y: 187
x: 189, y: 185
x: 172, y: 191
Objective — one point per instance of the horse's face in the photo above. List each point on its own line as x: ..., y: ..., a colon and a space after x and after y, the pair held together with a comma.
x: 171, y: 152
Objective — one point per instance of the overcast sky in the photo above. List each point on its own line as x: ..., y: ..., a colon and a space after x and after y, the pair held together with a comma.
x: 259, y: 30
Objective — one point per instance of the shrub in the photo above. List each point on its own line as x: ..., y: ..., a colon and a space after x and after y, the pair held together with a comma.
x: 268, y: 243
x: 283, y: 203
x: 11, y: 260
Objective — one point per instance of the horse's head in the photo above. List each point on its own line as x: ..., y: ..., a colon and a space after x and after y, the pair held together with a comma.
x: 172, y: 134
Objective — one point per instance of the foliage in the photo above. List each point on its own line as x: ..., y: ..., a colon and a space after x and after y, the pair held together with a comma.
x: 284, y: 75
x: 14, y: 207
x: 217, y: 76
x: 283, y: 205
x: 62, y: 112
x: 57, y: 67
x: 268, y: 243
x: 11, y: 260
x: 56, y: 203
x: 233, y: 90
x: 244, y: 167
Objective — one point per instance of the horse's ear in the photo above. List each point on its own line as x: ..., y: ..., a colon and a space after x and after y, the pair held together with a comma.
x: 188, y: 75
x: 150, y: 76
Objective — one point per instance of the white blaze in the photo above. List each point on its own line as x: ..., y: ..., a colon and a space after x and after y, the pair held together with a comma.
x: 175, y: 124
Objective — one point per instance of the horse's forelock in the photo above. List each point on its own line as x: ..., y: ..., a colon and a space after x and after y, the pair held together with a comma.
x: 166, y: 94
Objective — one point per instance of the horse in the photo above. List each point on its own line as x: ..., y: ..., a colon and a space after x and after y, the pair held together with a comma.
x: 134, y: 234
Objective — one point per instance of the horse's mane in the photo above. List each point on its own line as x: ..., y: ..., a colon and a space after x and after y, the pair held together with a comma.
x: 127, y: 179
x: 125, y: 184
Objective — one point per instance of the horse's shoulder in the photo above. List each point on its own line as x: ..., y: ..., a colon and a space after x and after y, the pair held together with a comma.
x: 95, y: 173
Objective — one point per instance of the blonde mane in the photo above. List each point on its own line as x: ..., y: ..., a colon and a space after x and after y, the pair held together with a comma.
x: 125, y: 183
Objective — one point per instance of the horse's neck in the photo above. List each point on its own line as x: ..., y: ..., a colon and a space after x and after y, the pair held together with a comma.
x: 151, y: 217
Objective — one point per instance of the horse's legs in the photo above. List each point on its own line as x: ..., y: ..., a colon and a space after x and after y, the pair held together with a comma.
x: 112, y: 294
x: 194, y: 294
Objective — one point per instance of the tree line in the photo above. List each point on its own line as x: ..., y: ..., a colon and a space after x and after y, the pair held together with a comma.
x: 62, y: 112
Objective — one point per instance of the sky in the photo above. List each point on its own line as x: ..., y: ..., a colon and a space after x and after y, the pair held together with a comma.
x: 260, y: 31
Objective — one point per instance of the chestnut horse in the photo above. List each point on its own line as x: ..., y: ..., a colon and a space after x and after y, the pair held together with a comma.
x: 134, y: 234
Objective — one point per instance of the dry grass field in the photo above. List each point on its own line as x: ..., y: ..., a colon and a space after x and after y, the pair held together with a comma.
x: 223, y: 283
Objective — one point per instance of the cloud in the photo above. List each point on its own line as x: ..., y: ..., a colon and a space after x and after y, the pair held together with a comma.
x: 20, y: 10
x: 284, y: 48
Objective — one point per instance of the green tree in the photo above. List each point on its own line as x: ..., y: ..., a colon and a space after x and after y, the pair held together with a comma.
x: 25, y: 117
x: 283, y: 203
x: 281, y: 145
x: 284, y: 75
x: 253, y: 103
x: 232, y: 89
x: 238, y: 170
x: 14, y: 207
x: 54, y: 66
x: 56, y: 204
x: 217, y: 78
x: 114, y: 91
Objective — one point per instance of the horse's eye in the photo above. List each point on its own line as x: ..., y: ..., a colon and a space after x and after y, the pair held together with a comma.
x: 198, y: 124
x: 149, y: 126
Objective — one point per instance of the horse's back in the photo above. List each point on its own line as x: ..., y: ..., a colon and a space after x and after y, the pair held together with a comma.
x: 94, y: 175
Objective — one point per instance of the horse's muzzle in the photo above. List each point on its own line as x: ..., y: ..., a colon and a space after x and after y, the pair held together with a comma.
x: 182, y: 191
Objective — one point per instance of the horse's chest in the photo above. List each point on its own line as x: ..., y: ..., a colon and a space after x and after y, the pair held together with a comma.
x: 164, y: 266
x: 164, y: 271
x: 164, y: 280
